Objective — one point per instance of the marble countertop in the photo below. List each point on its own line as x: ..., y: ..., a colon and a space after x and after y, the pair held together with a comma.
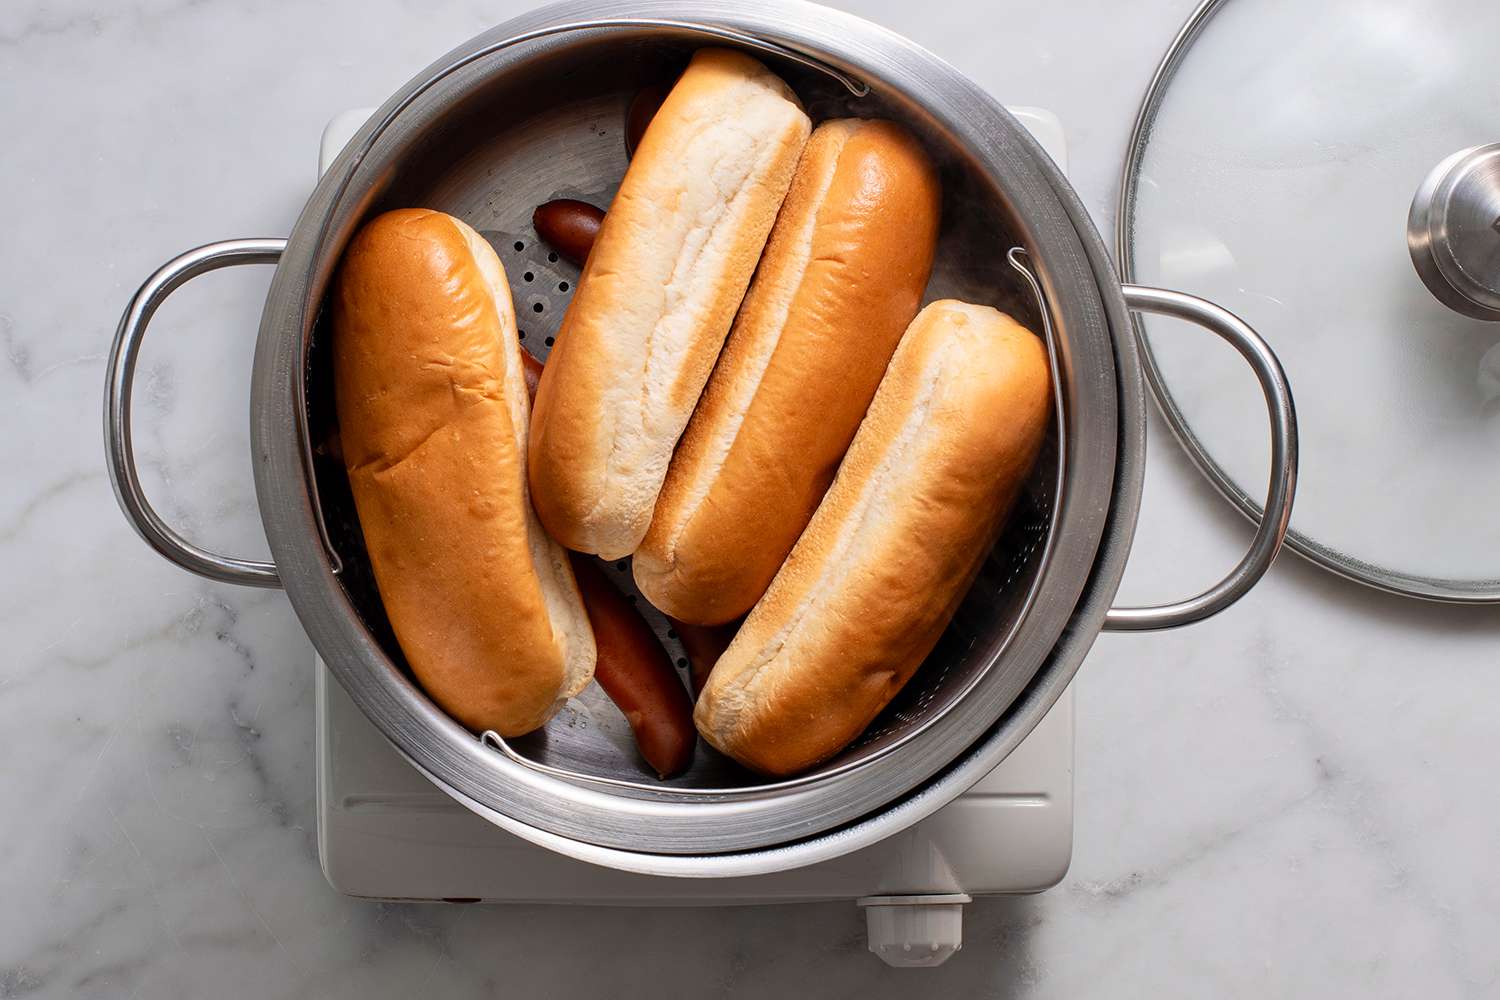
x: 1295, y: 798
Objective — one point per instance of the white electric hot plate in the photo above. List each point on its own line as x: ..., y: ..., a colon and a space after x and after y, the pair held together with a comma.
x: 386, y: 832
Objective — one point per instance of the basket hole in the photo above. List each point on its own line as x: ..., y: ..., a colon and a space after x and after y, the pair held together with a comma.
x: 549, y: 341
x: 552, y: 257
x: 528, y: 276
x: 671, y: 633
x: 520, y: 246
x: 562, y: 286
x: 537, y: 307
x: 682, y: 662
x: 522, y: 333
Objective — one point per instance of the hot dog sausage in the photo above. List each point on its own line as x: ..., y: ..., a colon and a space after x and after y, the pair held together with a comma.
x: 568, y: 226
x: 643, y: 108
x: 704, y: 644
x: 532, y: 369
x: 636, y: 673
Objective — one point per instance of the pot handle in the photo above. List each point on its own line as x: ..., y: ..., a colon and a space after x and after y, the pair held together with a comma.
x: 117, y: 394
x: 1283, y: 484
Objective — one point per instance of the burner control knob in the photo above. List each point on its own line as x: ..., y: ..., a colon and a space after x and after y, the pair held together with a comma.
x: 915, y: 931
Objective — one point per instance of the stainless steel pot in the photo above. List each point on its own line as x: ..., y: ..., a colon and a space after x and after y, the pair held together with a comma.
x: 531, y: 110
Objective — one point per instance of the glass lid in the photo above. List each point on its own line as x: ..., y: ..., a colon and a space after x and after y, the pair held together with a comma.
x: 1330, y: 172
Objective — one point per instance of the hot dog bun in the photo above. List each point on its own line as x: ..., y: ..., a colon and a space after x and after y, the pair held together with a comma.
x: 433, y: 412
x: 657, y: 296
x: 917, y: 503
x: 841, y: 278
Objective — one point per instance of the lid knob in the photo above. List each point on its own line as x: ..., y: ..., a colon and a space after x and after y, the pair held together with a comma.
x: 1453, y: 231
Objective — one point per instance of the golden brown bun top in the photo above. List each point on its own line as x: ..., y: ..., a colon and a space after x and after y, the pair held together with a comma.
x: 432, y: 409
x: 435, y: 345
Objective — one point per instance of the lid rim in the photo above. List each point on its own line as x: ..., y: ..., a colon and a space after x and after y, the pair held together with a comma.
x: 1436, y: 589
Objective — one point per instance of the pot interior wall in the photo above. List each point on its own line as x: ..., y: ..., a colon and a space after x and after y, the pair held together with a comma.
x: 552, y: 126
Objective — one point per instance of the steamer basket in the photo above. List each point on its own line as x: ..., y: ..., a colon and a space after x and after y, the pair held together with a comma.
x: 534, y: 110
x: 492, y: 170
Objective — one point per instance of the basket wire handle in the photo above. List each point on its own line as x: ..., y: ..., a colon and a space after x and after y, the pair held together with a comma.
x: 495, y: 741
